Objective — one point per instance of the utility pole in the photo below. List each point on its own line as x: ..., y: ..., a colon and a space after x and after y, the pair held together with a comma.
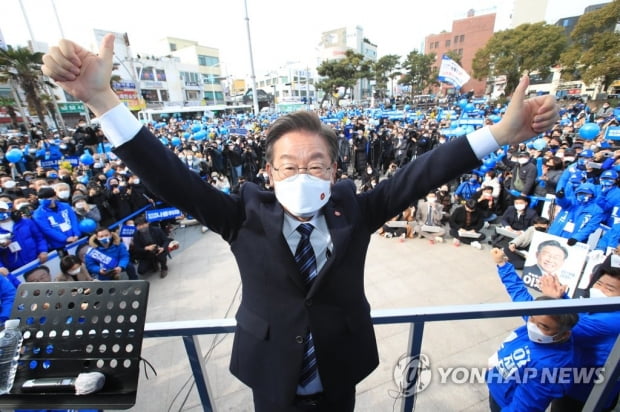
x: 253, y: 77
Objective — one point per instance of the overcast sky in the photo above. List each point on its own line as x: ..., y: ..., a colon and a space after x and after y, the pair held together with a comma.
x: 281, y: 30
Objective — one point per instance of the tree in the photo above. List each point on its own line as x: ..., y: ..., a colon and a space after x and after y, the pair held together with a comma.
x: 341, y: 73
x: 419, y: 72
x: 24, y: 67
x: 526, y: 48
x: 385, y: 69
x: 593, y: 52
x: 9, y: 105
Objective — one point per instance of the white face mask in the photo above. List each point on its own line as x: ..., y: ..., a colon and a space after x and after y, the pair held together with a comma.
x: 9, y: 184
x: 136, y: 181
x: 73, y: 272
x: 303, y: 195
x: 64, y: 194
x: 536, y: 335
x: 519, y: 207
x: 431, y: 199
x: 597, y: 293
x: 523, y: 161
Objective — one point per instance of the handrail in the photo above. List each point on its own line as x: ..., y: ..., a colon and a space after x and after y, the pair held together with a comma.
x: 416, y: 317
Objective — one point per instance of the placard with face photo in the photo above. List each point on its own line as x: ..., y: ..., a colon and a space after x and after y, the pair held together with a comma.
x: 550, y: 254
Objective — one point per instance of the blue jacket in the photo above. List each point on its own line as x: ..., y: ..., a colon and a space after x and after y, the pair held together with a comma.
x: 585, y: 217
x: 466, y: 189
x: 57, y: 225
x: 7, y: 296
x: 611, y: 238
x: 98, y: 257
x: 522, y: 379
x: 30, y: 240
x: 609, y: 201
x: 49, y: 152
x: 594, y: 335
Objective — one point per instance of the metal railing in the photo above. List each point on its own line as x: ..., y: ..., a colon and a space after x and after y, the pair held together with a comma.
x: 416, y: 318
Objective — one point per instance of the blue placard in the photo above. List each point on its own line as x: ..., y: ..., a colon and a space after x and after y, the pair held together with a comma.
x: 162, y: 214
x: 127, y: 231
x: 612, y: 133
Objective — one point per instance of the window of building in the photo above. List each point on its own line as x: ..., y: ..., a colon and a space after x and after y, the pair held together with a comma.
x: 164, y: 95
x: 460, y: 52
x: 173, y: 46
x: 160, y: 75
x: 462, y: 38
x: 448, y: 43
x: 430, y: 46
x: 456, y: 39
x: 147, y: 74
x: 191, y: 77
x: 208, y: 61
x: 437, y: 44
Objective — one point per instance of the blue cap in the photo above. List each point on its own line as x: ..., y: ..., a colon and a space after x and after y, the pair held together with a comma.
x: 609, y: 174
x: 585, y: 188
x: 586, y: 153
x: 577, y: 177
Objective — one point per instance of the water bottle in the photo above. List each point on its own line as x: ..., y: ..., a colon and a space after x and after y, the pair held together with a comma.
x: 10, y: 345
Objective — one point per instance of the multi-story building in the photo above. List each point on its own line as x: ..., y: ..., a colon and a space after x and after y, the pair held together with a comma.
x: 466, y: 37
x: 335, y: 43
x: 207, y: 59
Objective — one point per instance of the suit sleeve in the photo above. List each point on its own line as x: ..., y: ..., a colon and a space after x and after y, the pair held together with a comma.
x: 167, y: 177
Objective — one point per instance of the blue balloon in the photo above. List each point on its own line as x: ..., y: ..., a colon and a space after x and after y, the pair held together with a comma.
x: 86, y: 159
x: 462, y: 103
x: 495, y: 118
x: 469, y: 107
x: 164, y: 141
x: 454, y: 124
x: 14, y: 155
x: 407, y: 107
x: 539, y: 144
x: 88, y: 225
x: 200, y: 135
x: 589, y: 131
x: 484, y: 168
x: 187, y: 135
x: 196, y: 128
x: 176, y: 140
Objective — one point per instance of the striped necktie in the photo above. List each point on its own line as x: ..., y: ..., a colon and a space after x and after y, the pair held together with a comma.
x: 306, y: 261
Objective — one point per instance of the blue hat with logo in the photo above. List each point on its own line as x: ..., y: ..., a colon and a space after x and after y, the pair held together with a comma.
x: 586, y: 189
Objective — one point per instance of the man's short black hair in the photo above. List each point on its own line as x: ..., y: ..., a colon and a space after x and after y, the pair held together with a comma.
x: 31, y: 271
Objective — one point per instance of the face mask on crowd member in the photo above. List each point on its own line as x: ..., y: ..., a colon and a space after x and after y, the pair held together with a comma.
x: 585, y: 193
x: 608, y: 285
x: 550, y: 329
x: 608, y: 179
x: 47, y: 197
x: 104, y: 237
x: 431, y: 198
x: 523, y: 158
x: 5, y: 211
x: 520, y: 204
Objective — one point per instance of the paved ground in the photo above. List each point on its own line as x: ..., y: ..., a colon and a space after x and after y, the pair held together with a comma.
x: 204, y: 283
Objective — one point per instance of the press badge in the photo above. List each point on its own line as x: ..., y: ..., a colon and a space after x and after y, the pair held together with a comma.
x: 14, y: 247
x: 569, y: 227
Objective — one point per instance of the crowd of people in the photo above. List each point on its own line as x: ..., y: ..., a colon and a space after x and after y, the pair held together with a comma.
x: 55, y: 186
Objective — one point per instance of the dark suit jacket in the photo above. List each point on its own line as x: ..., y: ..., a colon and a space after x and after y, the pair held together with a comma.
x: 276, y: 311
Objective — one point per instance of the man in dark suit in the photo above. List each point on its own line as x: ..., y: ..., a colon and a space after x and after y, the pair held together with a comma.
x: 300, y: 249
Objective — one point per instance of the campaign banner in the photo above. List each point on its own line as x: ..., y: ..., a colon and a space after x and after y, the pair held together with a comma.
x: 127, y: 231
x: 162, y: 214
x: 73, y: 161
x: 451, y: 72
x: 473, y: 122
x: 612, y: 133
